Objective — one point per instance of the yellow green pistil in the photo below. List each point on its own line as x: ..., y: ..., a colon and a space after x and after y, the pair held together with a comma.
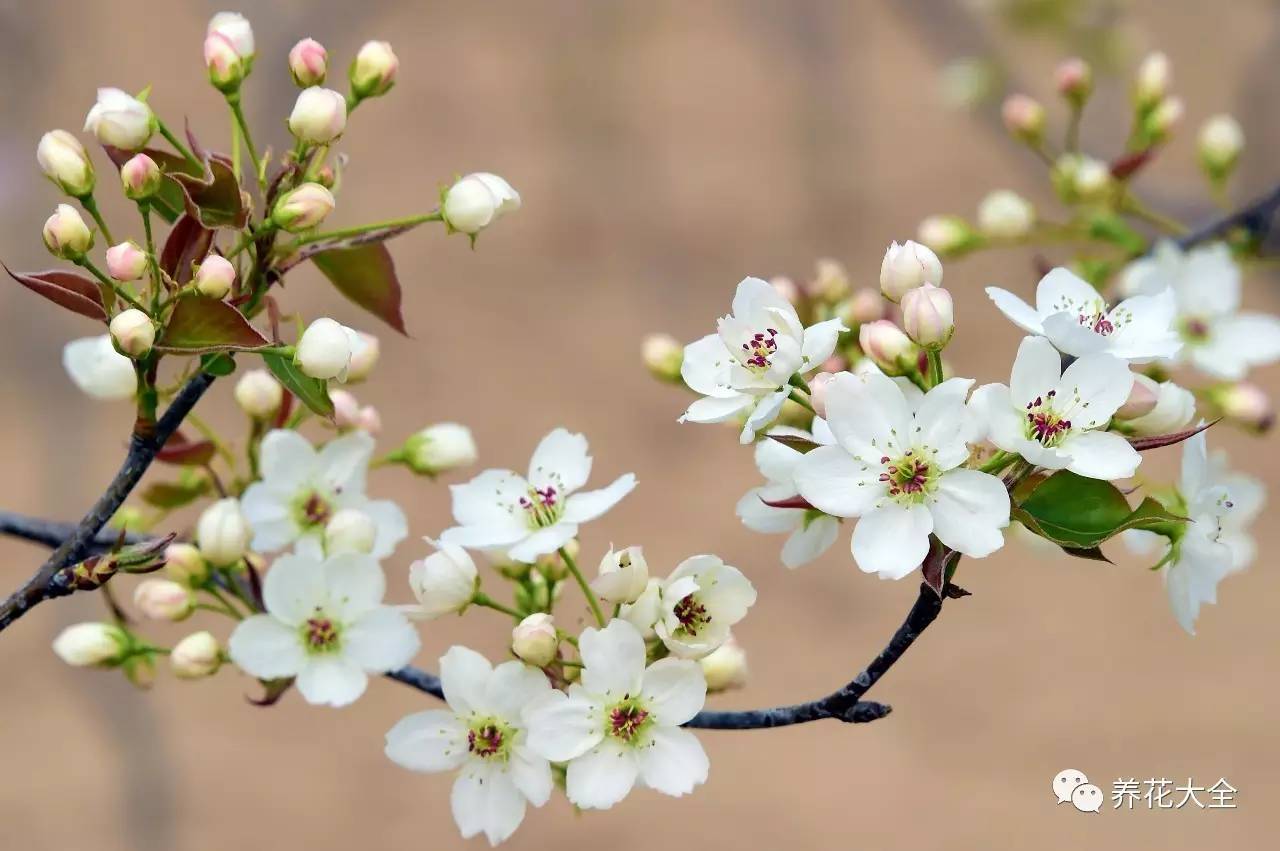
x: 1194, y: 330
x: 628, y: 719
x: 909, y: 478
x: 489, y: 739
x: 1045, y: 425
x: 691, y: 614
x: 314, y: 510
x: 321, y: 634
x: 542, y: 506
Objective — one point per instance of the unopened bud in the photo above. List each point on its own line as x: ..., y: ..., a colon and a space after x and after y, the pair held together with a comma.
x: 1152, y: 81
x: 141, y: 177
x: 184, y: 565
x: 196, y: 656
x: 1160, y: 122
x: 324, y: 350
x: 350, y: 530
x: 1142, y: 398
x: 1245, y: 404
x: 476, y: 201
x: 818, y: 385
x: 945, y: 234
x: 133, y: 332
x: 1173, y: 408
x: 373, y: 72
x: 222, y: 533
x: 725, y: 667
x: 120, y: 120
x: 319, y: 116
x: 346, y: 409
x: 886, y: 345
x: 364, y: 357
x: 66, y: 235
x: 1006, y: 215
x: 64, y: 161
x: 91, y: 645
x: 370, y: 421
x: 215, y: 276
x: 865, y: 305
x: 126, y: 261
x: 831, y: 281
x: 787, y: 288
x: 928, y: 316
x: 226, y: 69
x: 906, y: 267
x: 624, y: 574
x: 235, y: 28
x: 1024, y: 118
x: 1219, y: 145
x: 308, y: 63
x: 303, y: 208
x: 1074, y: 80
x: 535, y: 641
x: 663, y: 356
x: 1091, y: 179
x: 439, y: 448
x: 163, y: 600
x: 258, y: 394
x: 551, y: 566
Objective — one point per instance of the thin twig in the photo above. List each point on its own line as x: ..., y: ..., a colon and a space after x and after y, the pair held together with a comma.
x: 1255, y: 217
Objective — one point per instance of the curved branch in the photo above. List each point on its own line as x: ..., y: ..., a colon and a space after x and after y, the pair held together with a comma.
x: 1255, y: 217
x: 52, y: 533
x: 48, y: 581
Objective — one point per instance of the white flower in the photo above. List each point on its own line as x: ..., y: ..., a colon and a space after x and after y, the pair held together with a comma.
x: 120, y: 120
x: 482, y: 736
x: 1174, y: 408
x: 477, y: 200
x: 1057, y: 419
x: 701, y: 599
x: 302, y: 489
x: 1075, y: 318
x: 537, y: 515
x: 621, y: 724
x: 443, y: 582
x: 746, y: 367
x: 812, y: 532
x: 645, y: 611
x: 98, y: 369
x: 326, y: 626
x: 1217, y: 338
x: 897, y: 467
x: 624, y: 575
x: 1215, y: 544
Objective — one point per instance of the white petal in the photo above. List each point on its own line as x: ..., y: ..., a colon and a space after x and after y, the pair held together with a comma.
x: 602, y: 776
x: 560, y: 461
x: 1036, y: 371
x: 331, y: 681
x: 834, y: 482
x: 1101, y: 455
x: 1145, y: 328
x: 270, y: 515
x: 588, y: 505
x: 969, y: 509
x: 429, y: 741
x: 485, y: 800
x: 673, y: 762
x: 286, y: 459
x: 464, y: 676
x: 613, y: 659
x: 263, y: 647
x: 942, y: 422
x: 705, y: 367
x: 717, y: 410
x: 727, y: 593
x: 1019, y: 312
x: 820, y: 342
x: 380, y: 641
x: 344, y: 462
x: 775, y: 460
x: 513, y: 686
x: 392, y: 526
x: 356, y: 585
x: 531, y: 774
x: 892, y: 540
x: 563, y: 726
x: 674, y: 690
x: 543, y: 542
x: 758, y: 304
x: 1208, y: 282
x: 810, y: 541
x: 98, y: 369
x: 1062, y: 290
x: 868, y: 414
x: 1092, y: 389
x: 1070, y: 337
x: 758, y: 517
x: 764, y: 413
x: 294, y: 589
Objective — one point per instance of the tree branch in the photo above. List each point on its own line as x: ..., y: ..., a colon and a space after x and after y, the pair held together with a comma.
x: 52, y: 533
x: 1255, y: 217
x: 49, y: 581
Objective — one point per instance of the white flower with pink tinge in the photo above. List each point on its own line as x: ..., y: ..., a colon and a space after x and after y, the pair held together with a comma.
x: 747, y: 367
x: 1075, y: 318
x: 534, y: 515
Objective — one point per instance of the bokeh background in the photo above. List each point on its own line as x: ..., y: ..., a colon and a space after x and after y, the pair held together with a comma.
x: 664, y: 151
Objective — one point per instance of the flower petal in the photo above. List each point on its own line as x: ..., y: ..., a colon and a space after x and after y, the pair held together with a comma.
x: 717, y: 409
x: 391, y: 524
x: 892, y: 540
x: 868, y: 414
x: 543, y: 542
x: 286, y: 459
x: 820, y: 342
x: 380, y: 641
x: 613, y: 659
x: 560, y: 461
x: 464, y: 677
x: 1092, y: 389
x: 1101, y: 455
x: 836, y: 483
x: 706, y: 366
x: 485, y: 800
x: 810, y: 541
x: 674, y: 690
x: 344, y: 462
x: 563, y: 726
x: 263, y: 647
x: 294, y: 589
x: 602, y: 776
x: 331, y: 681
x: 588, y: 505
x: 356, y: 585
x: 674, y: 763
x: 1018, y: 311
x: 969, y: 509
x: 1036, y: 370
x: 513, y: 686
x: 429, y: 741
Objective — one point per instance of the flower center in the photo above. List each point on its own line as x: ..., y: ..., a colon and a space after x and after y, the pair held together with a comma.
x: 758, y: 351
x: 489, y: 739
x: 320, y: 634
x: 1043, y: 423
x: 1097, y: 322
x: 692, y: 614
x: 314, y: 510
x: 627, y: 719
x: 1194, y: 330
x: 908, y: 478
x: 542, y: 506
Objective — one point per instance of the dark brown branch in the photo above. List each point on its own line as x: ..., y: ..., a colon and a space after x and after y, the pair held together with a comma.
x: 49, y: 582
x: 1255, y: 218
x: 53, y: 533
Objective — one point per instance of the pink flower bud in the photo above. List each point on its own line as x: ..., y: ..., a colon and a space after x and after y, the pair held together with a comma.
x: 303, y: 208
x: 369, y: 421
x: 235, y: 28
x: 818, y: 392
x: 906, y: 267
x: 226, y: 68
x: 141, y: 177
x: 1074, y: 80
x: 133, y: 332
x: 374, y: 71
x: 196, y: 656
x: 1142, y: 398
x: 319, y: 116
x: 184, y: 564
x: 364, y: 357
x: 163, y: 600
x: 308, y: 63
x: 866, y: 305
x: 786, y: 288
x: 928, y: 316
x: 126, y: 261
x: 884, y: 343
x: 831, y: 280
x: 66, y: 235
x: 534, y: 640
x: 1024, y: 118
x: 64, y: 161
x: 215, y: 276
x: 1245, y: 404
x: 346, y: 409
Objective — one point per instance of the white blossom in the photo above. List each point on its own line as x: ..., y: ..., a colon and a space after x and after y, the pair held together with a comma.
x: 624, y: 574
x: 120, y: 120
x: 443, y: 582
x: 811, y: 532
x: 701, y: 599
x: 98, y: 369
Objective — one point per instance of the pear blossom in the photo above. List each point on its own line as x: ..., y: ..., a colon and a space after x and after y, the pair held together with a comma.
x: 482, y: 736
x: 624, y: 575
x: 534, y: 515
x: 897, y: 466
x: 746, y: 367
x: 1075, y: 318
x: 326, y: 625
x: 1057, y: 419
x: 98, y: 369
x: 811, y: 532
x: 1218, y: 338
x: 535, y: 640
x: 620, y: 724
x: 1173, y: 409
x: 643, y: 614
x: 1215, y: 543
x: 443, y: 582
x: 64, y: 161
x: 701, y: 599
x: 120, y: 120
x: 302, y: 488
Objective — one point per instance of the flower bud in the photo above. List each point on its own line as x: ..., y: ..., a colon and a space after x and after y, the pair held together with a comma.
x: 214, y: 276
x: 623, y: 576
x: 163, y: 600
x: 439, y: 448
x: 196, y: 656
x: 444, y: 581
x: 906, y: 267
x: 1219, y: 145
x: 1160, y: 122
x: 831, y: 281
x: 91, y: 645
x: 370, y: 421
x: 319, y: 116
x: 1172, y: 409
x: 64, y: 161
x: 1024, y: 118
x: 235, y: 28
x: 66, y: 235
x: 928, y: 316
x: 222, y: 533
x: 945, y: 234
x: 477, y: 200
x: 303, y: 208
x: 324, y: 351
x: 120, y: 120
x: 364, y: 357
x: 346, y: 409
x: 886, y: 345
x: 126, y: 261
x: 184, y: 564
x: 373, y: 73
x: 141, y: 177
x: 350, y: 530
x: 535, y: 641
x: 133, y: 332
x: 1152, y: 81
x: 865, y: 305
x: 787, y: 288
x: 226, y: 69
x: 1092, y: 179
x: 1006, y: 215
x: 308, y: 63
x: 1074, y: 80
x: 725, y: 667
x: 258, y: 394
x: 552, y: 566
x: 662, y: 355
x: 1245, y: 404
x: 1142, y: 398
x: 818, y: 385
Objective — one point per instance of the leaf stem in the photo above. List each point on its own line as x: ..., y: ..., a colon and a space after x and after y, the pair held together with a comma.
x: 582, y: 583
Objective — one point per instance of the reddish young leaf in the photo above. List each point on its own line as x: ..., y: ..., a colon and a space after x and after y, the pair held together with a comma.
x: 180, y: 450
x: 790, y: 502
x: 366, y: 275
x: 200, y: 324
x: 800, y: 444
x: 65, y: 289
x: 188, y: 242
x: 215, y: 198
x: 1130, y: 164
x: 1156, y: 441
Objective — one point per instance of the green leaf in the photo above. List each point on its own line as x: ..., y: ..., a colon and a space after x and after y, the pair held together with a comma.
x: 65, y: 289
x: 170, y: 201
x: 170, y: 495
x: 215, y: 198
x: 218, y: 364
x: 312, y: 392
x: 1079, y: 513
x: 366, y: 275
x: 201, y: 324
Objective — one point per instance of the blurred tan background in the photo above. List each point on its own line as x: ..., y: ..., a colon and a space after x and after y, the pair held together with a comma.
x: 664, y: 151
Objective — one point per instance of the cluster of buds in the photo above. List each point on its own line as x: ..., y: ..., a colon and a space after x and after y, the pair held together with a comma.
x: 911, y: 274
